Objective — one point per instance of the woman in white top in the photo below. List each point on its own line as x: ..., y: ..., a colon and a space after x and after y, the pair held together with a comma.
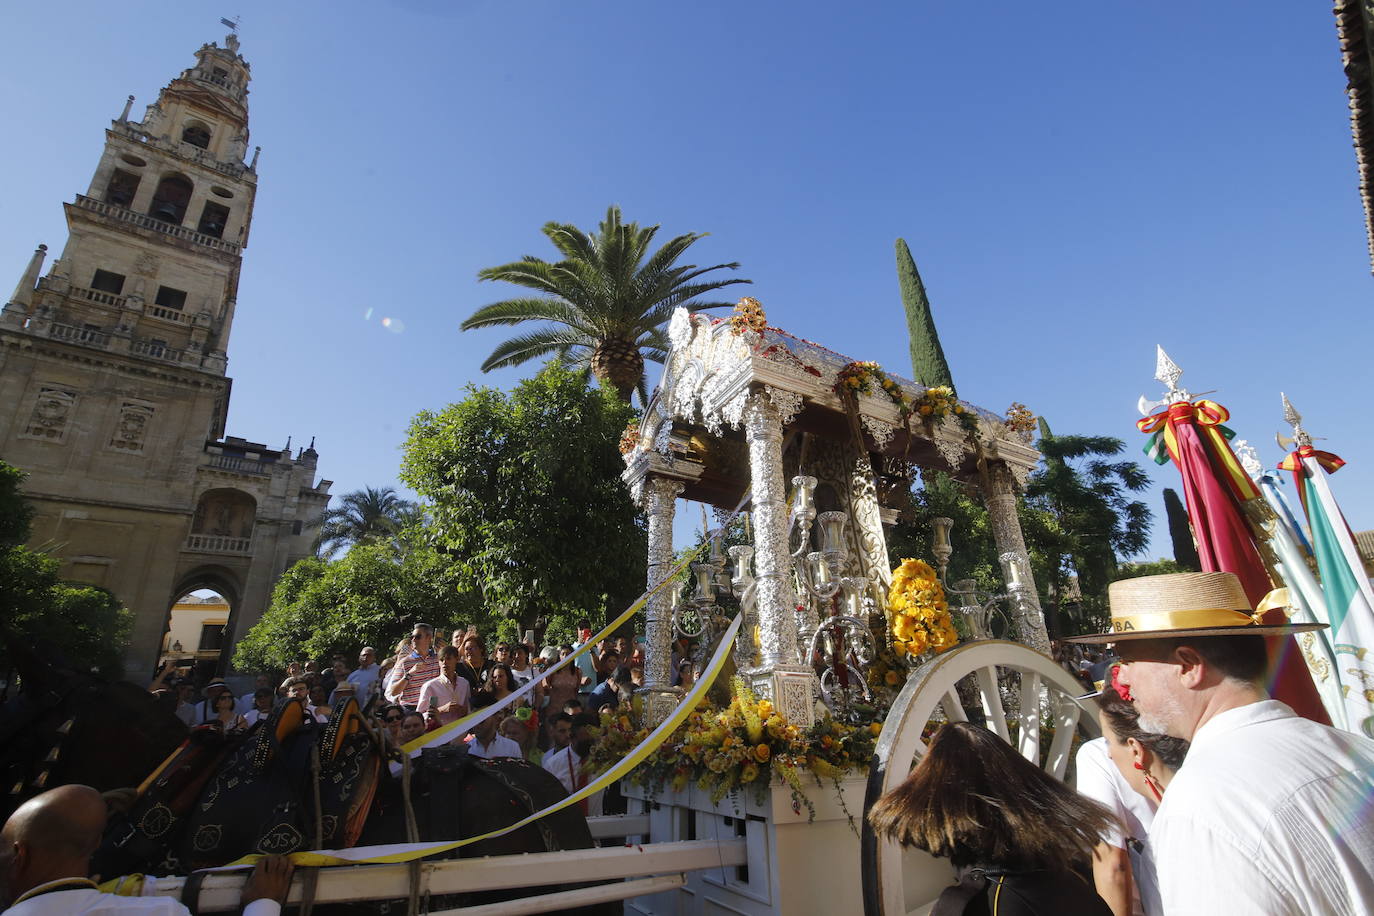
x: 1127, y: 770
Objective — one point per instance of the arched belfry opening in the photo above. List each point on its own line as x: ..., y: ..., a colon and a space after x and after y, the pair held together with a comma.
x: 196, y: 133
x: 171, y: 198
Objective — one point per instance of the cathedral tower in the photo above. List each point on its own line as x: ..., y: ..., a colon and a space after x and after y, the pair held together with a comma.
x: 113, y: 392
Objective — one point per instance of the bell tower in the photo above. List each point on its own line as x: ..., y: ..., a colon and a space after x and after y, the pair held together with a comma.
x: 113, y: 388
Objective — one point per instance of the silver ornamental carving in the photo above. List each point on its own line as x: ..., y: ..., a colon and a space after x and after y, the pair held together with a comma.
x: 776, y: 598
x: 880, y: 431
x: 660, y: 499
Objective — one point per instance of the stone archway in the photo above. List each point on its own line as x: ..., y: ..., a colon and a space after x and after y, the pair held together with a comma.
x: 223, y: 521
x: 208, y: 644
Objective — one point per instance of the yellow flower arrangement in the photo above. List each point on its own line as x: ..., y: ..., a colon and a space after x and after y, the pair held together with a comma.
x: 919, y: 615
x: 749, y: 316
x: 629, y: 438
x: 862, y: 377
x: 1019, y: 418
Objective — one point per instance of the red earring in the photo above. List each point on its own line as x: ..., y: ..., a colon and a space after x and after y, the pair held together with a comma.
x: 1138, y: 766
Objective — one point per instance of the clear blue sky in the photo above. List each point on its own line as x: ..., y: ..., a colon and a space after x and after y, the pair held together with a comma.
x: 1077, y: 181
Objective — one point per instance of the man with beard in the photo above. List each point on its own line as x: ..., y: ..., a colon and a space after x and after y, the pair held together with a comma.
x: 1269, y: 812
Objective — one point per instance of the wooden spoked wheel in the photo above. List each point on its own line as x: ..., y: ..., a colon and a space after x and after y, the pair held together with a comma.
x: 1023, y: 697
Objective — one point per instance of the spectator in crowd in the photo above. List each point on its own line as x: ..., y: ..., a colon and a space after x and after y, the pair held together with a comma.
x: 295, y: 669
x: 205, y: 709
x: 606, y: 664
x: 1270, y: 812
x: 1126, y: 771
x: 515, y: 730
x: 248, y: 701
x: 391, y: 717
x: 1014, y: 832
x: 319, y: 703
x: 682, y: 649
x: 445, y: 698
x: 587, y: 661
x: 475, y: 655
x: 45, y: 856
x: 412, y: 671
x: 501, y: 655
x: 298, y: 688
x: 520, y: 664
x: 500, y: 681
x: 610, y: 691
x: 636, y: 676
x: 573, y: 707
x: 563, y: 760
x: 386, y: 668
x: 186, y: 706
x: 337, y: 674
x: 263, y: 698
x: 224, y: 715
x: 486, y: 741
x: 364, y: 677
x: 412, y: 727
x: 683, y: 677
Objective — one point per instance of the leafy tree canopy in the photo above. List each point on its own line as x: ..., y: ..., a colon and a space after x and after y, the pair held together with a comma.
x: 84, y: 625
x: 364, y: 515
x: 369, y: 597
x: 524, y: 491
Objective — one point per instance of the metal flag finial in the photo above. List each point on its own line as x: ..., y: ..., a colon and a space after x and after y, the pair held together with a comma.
x: 1300, y: 438
x: 1168, y: 372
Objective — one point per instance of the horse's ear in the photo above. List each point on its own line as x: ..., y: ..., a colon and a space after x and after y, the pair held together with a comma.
x: 289, y: 717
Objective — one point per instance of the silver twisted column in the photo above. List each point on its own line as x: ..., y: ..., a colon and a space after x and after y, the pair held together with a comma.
x: 999, y: 494
x: 659, y: 500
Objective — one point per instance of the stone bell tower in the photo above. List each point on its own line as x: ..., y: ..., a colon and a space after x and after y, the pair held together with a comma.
x: 113, y: 392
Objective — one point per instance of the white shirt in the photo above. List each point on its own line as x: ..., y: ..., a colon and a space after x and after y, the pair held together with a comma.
x: 1099, y: 779
x: 440, y: 692
x: 500, y: 746
x: 1269, y: 814
x: 364, y: 681
x: 564, y: 763
x: 91, y: 902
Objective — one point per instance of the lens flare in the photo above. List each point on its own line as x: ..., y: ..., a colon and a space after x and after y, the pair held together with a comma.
x: 394, y: 325
x: 367, y: 315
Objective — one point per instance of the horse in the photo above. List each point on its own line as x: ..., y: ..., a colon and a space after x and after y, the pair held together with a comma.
x: 65, y: 726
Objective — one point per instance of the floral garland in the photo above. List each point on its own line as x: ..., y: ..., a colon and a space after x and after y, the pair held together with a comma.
x: 748, y: 316
x: 744, y: 744
x: 629, y: 439
x: 860, y: 377
x: 919, y: 615
x: 1019, y: 418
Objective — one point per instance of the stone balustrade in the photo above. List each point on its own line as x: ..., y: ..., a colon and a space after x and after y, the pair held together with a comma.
x: 215, y: 543
x: 74, y: 334
x: 145, y: 221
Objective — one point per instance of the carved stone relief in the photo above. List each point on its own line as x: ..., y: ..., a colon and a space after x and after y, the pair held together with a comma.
x: 131, y: 429
x: 52, y: 410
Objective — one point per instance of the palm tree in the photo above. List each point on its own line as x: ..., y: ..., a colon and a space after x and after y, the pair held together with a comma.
x: 605, y: 303
x: 364, y: 515
x: 1090, y: 497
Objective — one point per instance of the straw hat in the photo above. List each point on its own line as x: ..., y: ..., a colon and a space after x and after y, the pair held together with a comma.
x: 1192, y: 604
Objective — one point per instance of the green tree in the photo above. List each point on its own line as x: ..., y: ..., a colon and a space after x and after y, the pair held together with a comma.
x: 928, y: 364
x: 524, y: 492
x: 1096, y: 521
x: 371, y: 596
x: 604, y: 304
x: 84, y: 625
x: 364, y: 515
x: 1181, y: 533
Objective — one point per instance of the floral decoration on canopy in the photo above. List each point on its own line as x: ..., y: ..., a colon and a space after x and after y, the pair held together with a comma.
x: 917, y: 611
x: 1020, y: 419
x: 749, y: 316
x: 866, y: 377
x: 629, y: 439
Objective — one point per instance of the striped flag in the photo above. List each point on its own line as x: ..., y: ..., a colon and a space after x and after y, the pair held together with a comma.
x: 1349, y: 596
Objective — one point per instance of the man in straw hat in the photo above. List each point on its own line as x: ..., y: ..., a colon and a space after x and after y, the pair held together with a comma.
x: 1270, y: 813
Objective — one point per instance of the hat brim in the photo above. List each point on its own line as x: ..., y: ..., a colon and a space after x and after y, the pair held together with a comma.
x: 1131, y: 635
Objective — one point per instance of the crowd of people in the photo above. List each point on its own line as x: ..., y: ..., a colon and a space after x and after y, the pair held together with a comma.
x: 1203, y: 795
x: 433, y: 678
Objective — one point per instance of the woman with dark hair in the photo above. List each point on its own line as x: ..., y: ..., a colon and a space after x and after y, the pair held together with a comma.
x: 223, y: 714
x: 1126, y: 771
x: 1015, y: 833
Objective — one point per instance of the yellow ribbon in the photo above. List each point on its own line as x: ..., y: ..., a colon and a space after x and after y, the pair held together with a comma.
x: 652, y: 742
x: 1184, y: 620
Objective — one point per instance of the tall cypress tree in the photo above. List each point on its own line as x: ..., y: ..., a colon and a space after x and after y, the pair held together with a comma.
x: 928, y: 364
x: 1185, y: 551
